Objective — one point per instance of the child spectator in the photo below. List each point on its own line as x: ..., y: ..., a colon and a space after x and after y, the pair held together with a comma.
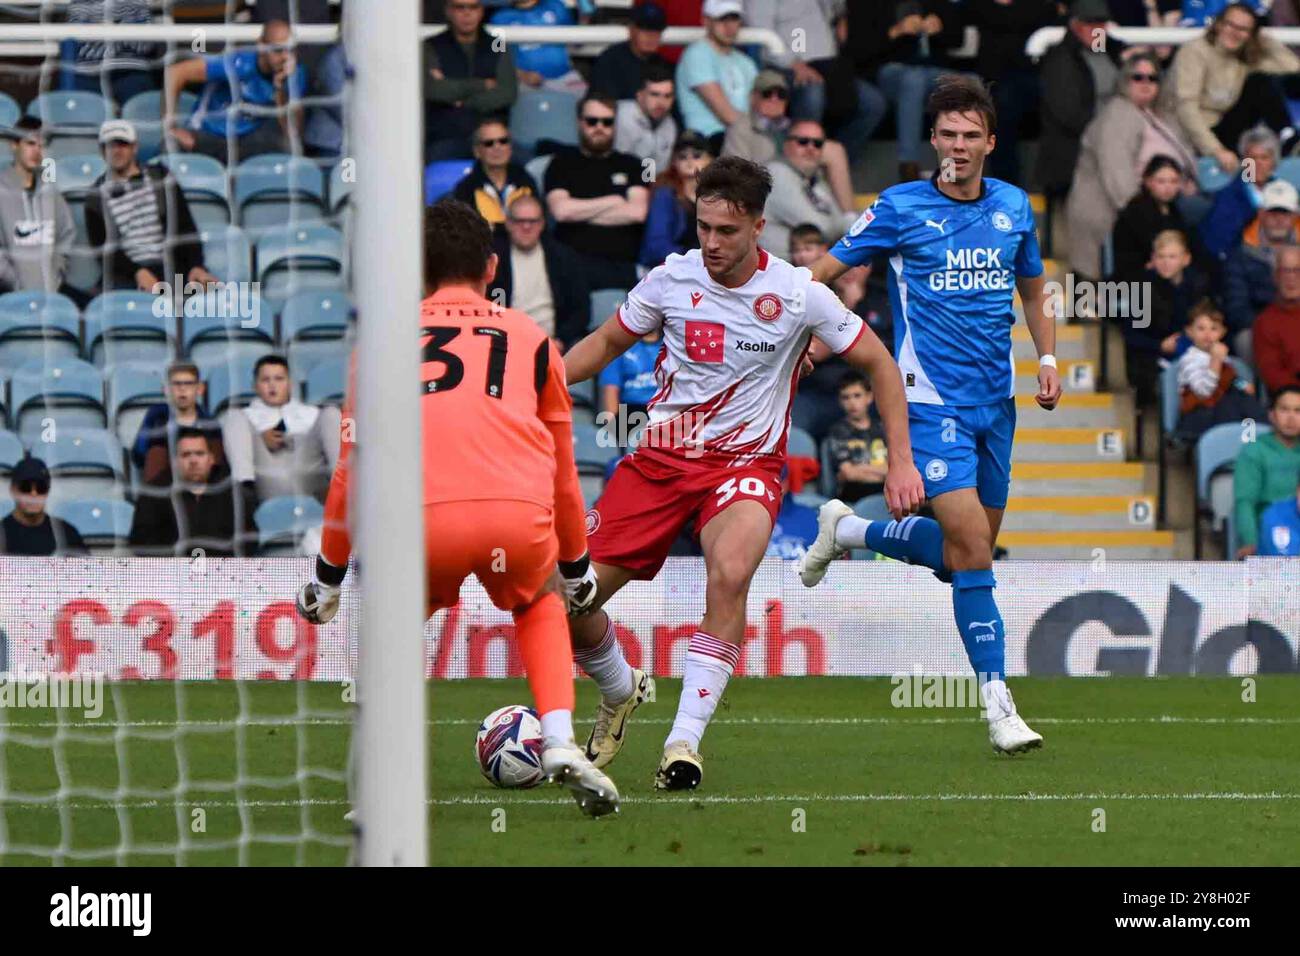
x: 1175, y: 287
x: 1211, y: 393
x: 155, y: 443
x: 857, y: 443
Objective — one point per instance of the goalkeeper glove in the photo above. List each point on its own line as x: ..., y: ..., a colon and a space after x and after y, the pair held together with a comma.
x: 318, y: 601
x: 579, y: 584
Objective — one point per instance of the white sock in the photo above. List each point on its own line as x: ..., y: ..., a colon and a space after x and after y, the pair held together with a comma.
x: 709, y: 663
x: 997, y: 699
x: 851, y: 532
x: 557, y: 728
x: 606, y: 665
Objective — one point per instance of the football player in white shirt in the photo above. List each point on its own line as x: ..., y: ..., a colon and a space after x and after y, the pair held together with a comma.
x: 736, y: 325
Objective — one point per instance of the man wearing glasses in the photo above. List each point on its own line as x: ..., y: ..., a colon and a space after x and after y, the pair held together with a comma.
x: 800, y: 194
x: 251, y: 97
x: 29, y: 530
x: 599, y: 198
x: 713, y: 77
x: 495, y: 181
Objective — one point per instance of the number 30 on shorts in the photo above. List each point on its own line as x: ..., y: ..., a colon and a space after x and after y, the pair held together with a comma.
x: 751, y: 486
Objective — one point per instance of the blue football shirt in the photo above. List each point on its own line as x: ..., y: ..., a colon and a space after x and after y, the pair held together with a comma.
x: 231, y: 72
x: 952, y: 280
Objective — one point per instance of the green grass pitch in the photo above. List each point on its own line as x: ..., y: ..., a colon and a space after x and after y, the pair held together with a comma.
x: 797, y: 771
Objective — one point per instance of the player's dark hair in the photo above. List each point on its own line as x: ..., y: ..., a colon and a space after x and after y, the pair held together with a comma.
x: 492, y: 119
x: 1208, y: 309
x: 1284, y: 390
x: 457, y: 243
x: 1159, y: 163
x: 655, y: 71
x: 955, y: 93
x: 739, y: 183
x: 269, y: 360
x: 807, y: 232
x: 597, y: 96
x: 189, y: 431
x: 849, y: 379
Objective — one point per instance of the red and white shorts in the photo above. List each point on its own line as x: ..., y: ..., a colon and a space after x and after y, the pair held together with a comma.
x: 647, y: 503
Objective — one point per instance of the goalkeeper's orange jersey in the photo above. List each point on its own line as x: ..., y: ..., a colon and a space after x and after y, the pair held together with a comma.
x: 496, y: 416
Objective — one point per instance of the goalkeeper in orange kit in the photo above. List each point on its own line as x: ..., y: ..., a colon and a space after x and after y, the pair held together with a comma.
x: 501, y: 494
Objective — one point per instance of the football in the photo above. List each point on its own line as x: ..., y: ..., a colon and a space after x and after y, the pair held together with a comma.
x: 509, y: 747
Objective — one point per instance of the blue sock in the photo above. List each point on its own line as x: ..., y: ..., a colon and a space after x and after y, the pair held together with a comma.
x: 915, y: 540
x: 980, y: 622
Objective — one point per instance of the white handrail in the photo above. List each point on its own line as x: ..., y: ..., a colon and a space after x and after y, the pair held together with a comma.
x: 1040, y: 40
x: 329, y: 33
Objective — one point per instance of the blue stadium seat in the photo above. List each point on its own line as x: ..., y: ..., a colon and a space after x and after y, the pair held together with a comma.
x: 873, y: 508
x: 305, y: 354
x: 76, y: 174
x: 339, y: 188
x: 326, y: 383
x: 590, y: 454
x: 203, y: 181
x: 811, y: 499
x: 9, y: 110
x: 145, y: 111
x: 37, y: 326
x: 11, y: 452
x: 125, y: 326
x: 799, y: 442
x: 1216, y: 452
x: 230, y: 380
x: 542, y: 114
x: 293, y: 259
x: 441, y: 177
x: 584, y: 393
x: 536, y: 167
x: 603, y: 304
x: 83, y: 463
x: 284, y: 519
x: 1210, y: 177
x: 100, y: 522
x: 275, y: 189
x: 227, y: 253
x: 132, y: 388
x: 592, y: 488
x: 316, y: 315
x: 221, y: 327
x: 1289, y: 169
x: 65, y: 108
x: 70, y: 391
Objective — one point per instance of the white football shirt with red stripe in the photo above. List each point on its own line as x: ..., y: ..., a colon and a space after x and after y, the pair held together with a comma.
x: 730, y: 359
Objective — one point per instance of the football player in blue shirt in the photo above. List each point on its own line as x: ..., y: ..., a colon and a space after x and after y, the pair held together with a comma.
x: 960, y: 247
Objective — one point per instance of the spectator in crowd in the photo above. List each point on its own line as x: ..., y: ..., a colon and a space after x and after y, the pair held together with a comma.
x: 200, y: 512
x: 139, y: 217
x: 541, y: 276
x: 629, y: 381
x: 800, y: 193
x: 1236, y: 205
x: 714, y: 78
x: 857, y: 443
x: 542, y: 65
x: 760, y: 138
x: 250, y: 103
x: 1149, y: 213
x: 795, y: 527
x: 1248, y: 271
x: 1267, y: 468
x: 496, y: 180
x: 465, y: 79
x: 322, y: 134
x: 1275, y: 338
x: 598, y: 198
x: 155, y: 442
x: 116, y: 69
x: 1198, y: 13
x: 1126, y: 134
x: 1078, y: 75
x: 903, y: 47
x: 1225, y: 82
x: 1279, y: 528
x: 617, y: 71
x: 36, y: 225
x: 28, y: 529
x: 1175, y: 288
x: 279, y: 444
x: 807, y: 245
x: 1005, y: 27
x: 644, y: 126
x: 1210, y: 392
x: 826, y: 87
x: 670, y: 224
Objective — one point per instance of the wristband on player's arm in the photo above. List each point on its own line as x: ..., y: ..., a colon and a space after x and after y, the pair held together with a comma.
x: 328, y: 575
x: 574, y: 570
x: 1048, y: 360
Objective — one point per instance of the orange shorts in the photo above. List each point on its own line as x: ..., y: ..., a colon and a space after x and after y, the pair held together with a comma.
x: 510, y: 546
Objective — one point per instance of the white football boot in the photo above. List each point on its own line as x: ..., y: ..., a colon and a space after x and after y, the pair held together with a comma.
x: 568, y: 766
x: 606, y: 738
x: 1008, y: 733
x: 815, y: 561
x: 680, y: 769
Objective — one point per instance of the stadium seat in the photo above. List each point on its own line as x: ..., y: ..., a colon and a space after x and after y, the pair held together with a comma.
x: 872, y: 508
x: 1216, y: 453
x: 584, y: 393
x: 125, y: 326
x: 542, y: 115
x: 230, y: 380
x: 293, y: 259
x: 316, y: 315
x: 1289, y: 170
x: 145, y: 111
x: 1210, y: 176
x: 84, y: 463
x: 441, y: 177
x: 277, y: 189
x: 227, y: 253
x: 326, y: 383
x: 340, y: 188
x: 70, y: 391
x: 591, y: 455
x: 37, y: 326
x: 104, y: 524
x: 226, y: 327
x: 132, y: 388
x: 592, y: 488
x: 69, y: 108
x: 827, y: 481
x: 799, y: 443
x: 9, y: 110
x: 282, y: 521
x: 76, y: 174
x: 811, y: 499
x: 203, y: 181
x: 603, y: 304
x: 536, y: 167
x: 11, y: 452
